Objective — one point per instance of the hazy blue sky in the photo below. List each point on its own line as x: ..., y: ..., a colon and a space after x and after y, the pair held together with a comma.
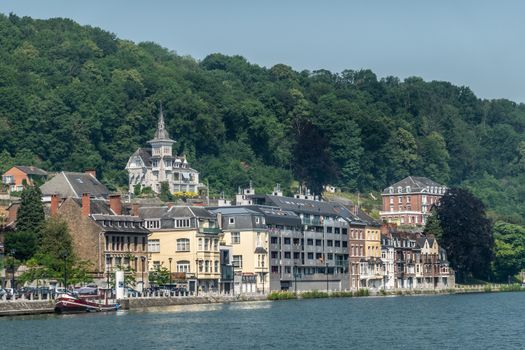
x: 473, y: 43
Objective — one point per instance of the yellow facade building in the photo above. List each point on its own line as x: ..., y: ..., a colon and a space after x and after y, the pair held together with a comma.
x: 184, y: 240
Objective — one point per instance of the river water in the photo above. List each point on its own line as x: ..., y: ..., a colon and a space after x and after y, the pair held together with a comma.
x: 474, y: 321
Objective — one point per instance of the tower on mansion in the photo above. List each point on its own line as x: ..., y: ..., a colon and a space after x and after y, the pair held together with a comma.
x: 149, y: 167
x: 408, y: 202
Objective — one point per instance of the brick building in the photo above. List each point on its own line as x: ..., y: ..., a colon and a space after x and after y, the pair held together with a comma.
x: 19, y: 176
x: 103, y: 236
x: 408, y: 202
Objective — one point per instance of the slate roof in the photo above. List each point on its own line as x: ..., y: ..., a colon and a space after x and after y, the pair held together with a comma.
x: 276, y: 216
x: 365, y: 217
x: 120, y: 223
x: 96, y: 206
x: 416, y: 183
x: 31, y: 170
x: 164, y: 212
x: 161, y: 134
x: 70, y: 184
x: 145, y: 155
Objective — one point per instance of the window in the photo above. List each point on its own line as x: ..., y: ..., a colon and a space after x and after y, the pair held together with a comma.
x: 337, y: 230
x: 408, y: 199
x: 201, y: 246
x: 236, y: 237
x: 179, y: 223
x: 345, y: 244
x: 153, y: 223
x: 345, y: 231
x: 200, y: 263
x: 318, y: 242
x: 215, y: 244
x: 329, y: 229
x: 257, y: 220
x: 391, y: 200
x: 183, y: 266
x: 287, y: 269
x: 287, y: 255
x: 273, y: 240
x: 287, y: 240
x: 275, y: 269
x: 206, y: 266
x: 231, y: 221
x: 318, y: 256
x: 153, y: 245
x: 330, y: 256
x: 216, y: 266
x: 273, y: 254
x: 338, y: 243
x: 329, y: 243
x: 183, y: 245
x: 309, y: 241
x: 311, y: 256
x: 237, y: 261
x: 156, y: 265
x: 296, y: 255
x: 400, y: 199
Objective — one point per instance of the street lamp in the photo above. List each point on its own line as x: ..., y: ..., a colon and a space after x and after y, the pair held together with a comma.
x: 170, y: 259
x: 143, y: 259
x: 197, y: 276
x: 13, y: 252
x: 64, y: 256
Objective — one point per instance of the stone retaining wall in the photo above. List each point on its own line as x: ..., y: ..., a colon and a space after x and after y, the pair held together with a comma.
x: 26, y: 307
x: 135, y: 303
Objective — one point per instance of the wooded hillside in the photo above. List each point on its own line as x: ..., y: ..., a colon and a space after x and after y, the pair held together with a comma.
x: 73, y: 97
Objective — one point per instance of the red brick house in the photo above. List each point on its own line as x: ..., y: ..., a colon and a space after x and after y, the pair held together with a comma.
x: 408, y: 202
x: 15, y: 178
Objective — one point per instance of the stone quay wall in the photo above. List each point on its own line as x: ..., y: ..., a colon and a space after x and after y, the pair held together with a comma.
x: 26, y: 307
x: 137, y: 303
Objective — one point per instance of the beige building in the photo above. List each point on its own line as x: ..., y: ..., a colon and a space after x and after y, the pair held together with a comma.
x: 245, y: 232
x: 184, y: 240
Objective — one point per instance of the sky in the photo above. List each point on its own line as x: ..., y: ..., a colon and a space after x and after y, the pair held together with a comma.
x: 478, y: 44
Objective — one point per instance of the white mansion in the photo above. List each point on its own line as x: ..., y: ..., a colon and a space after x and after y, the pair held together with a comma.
x: 149, y: 167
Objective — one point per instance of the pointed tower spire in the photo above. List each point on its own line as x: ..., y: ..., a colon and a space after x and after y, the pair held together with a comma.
x: 161, y: 134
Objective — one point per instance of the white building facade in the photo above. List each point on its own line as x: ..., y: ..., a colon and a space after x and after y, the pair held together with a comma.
x: 149, y: 167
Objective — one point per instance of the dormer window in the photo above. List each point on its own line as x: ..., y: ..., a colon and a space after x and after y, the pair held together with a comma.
x: 399, y: 189
x: 390, y: 190
x: 408, y: 189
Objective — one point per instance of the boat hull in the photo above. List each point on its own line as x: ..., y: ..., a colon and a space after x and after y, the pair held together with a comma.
x: 70, y: 304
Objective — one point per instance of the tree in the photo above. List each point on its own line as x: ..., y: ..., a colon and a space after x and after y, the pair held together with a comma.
x: 30, y: 215
x: 433, y: 226
x: 160, y: 276
x: 23, y: 243
x: 509, y: 250
x: 467, y: 233
x: 165, y: 194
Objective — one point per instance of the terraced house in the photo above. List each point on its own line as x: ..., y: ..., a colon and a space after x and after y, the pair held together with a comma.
x: 184, y: 240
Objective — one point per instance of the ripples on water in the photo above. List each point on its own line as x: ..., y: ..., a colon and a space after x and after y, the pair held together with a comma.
x: 480, y: 321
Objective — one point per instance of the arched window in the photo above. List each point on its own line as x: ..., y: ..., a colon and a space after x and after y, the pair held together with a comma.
x: 183, y: 266
x: 183, y: 245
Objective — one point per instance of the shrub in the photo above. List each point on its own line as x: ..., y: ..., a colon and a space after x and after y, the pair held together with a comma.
x: 314, y: 294
x: 281, y: 295
x: 362, y: 293
x: 342, y: 294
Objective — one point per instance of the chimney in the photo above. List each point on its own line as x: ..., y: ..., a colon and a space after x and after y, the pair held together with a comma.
x: 169, y: 205
x: 115, y: 204
x: 54, y: 205
x: 86, y: 204
x: 135, y: 209
x: 91, y: 171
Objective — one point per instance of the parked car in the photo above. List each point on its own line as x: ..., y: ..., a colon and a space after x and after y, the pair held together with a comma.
x: 11, y: 293
x: 2, y: 292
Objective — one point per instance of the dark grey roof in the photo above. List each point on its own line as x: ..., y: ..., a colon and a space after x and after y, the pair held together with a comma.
x: 260, y: 250
x: 96, y: 206
x: 234, y: 211
x: 152, y: 212
x: 164, y: 212
x: 365, y: 217
x: 145, y: 155
x: 31, y: 170
x: 304, y: 205
x: 416, y: 183
x: 276, y: 216
x: 120, y: 223
x: 69, y: 184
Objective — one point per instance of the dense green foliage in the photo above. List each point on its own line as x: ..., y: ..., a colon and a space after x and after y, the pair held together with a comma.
x: 466, y: 234
x: 29, y: 221
x: 509, y: 250
x: 73, y: 97
x: 54, y: 255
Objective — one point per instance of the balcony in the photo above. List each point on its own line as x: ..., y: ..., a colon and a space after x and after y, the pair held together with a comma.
x: 210, y: 230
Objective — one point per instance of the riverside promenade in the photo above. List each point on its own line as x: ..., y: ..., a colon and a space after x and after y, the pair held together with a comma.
x: 35, y: 307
